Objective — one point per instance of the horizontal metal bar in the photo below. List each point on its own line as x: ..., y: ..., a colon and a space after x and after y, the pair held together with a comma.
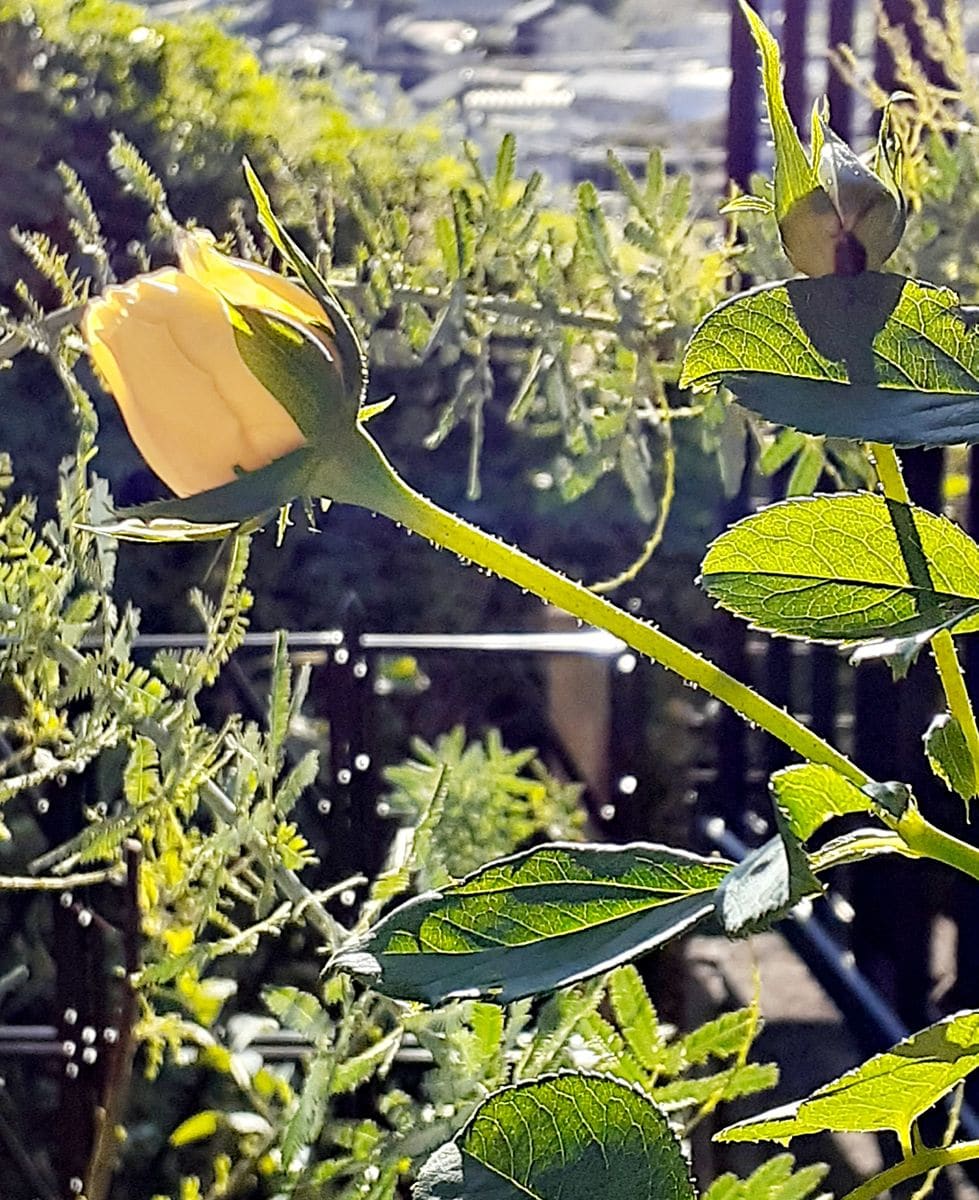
x: 40, y: 1041
x: 34, y: 1032
x: 593, y: 642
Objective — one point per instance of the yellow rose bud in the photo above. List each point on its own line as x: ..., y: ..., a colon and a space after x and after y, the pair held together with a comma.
x: 165, y: 346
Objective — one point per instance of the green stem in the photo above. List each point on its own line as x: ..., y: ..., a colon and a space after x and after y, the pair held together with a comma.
x: 942, y: 645
x: 365, y: 478
x: 371, y: 483
x: 928, y: 841
x: 918, y: 1164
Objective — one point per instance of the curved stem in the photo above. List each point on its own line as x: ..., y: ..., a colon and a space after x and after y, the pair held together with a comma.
x: 373, y: 484
x: 366, y: 479
x: 928, y: 841
x: 917, y: 1164
x: 942, y: 645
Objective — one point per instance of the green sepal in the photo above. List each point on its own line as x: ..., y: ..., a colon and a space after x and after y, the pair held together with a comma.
x: 163, y: 529
x: 868, y: 206
x: 352, y: 357
x: 795, y: 177
x: 288, y: 359
x: 250, y: 501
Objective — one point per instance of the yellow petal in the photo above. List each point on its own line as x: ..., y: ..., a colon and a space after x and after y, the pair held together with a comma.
x: 165, y: 347
x: 246, y: 284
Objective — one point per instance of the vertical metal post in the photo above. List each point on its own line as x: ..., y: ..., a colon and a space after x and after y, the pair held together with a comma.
x: 742, y: 116
x: 839, y: 94
x: 346, y: 697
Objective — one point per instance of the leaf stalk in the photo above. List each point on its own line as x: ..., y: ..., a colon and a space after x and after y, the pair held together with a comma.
x: 943, y: 647
x: 917, y: 1164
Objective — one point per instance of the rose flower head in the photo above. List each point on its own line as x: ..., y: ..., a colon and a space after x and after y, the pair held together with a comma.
x: 167, y: 347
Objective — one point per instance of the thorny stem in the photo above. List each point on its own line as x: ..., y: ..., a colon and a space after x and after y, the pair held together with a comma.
x: 942, y: 645
x: 917, y: 1164
x: 928, y: 841
x: 374, y: 485
x: 366, y: 479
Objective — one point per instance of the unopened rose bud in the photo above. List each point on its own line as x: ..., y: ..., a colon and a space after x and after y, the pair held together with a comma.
x: 853, y: 222
x: 166, y: 347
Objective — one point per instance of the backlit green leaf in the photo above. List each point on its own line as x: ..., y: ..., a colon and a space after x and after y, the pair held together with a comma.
x: 948, y: 753
x: 566, y: 1137
x: 743, y: 1079
x: 775, y: 1179
x: 834, y: 568
x: 875, y: 357
x: 811, y: 794
x: 636, y: 1017
x: 887, y: 1092
x: 537, y: 921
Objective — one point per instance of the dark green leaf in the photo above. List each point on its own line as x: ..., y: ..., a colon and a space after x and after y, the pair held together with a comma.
x: 901, y: 653
x: 887, y: 1092
x: 566, y: 1137
x: 764, y: 886
x: 839, y: 568
x: 892, y: 796
x: 873, y: 357
x: 537, y: 921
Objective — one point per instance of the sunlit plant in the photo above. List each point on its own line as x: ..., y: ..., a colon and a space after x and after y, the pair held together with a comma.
x: 850, y: 351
